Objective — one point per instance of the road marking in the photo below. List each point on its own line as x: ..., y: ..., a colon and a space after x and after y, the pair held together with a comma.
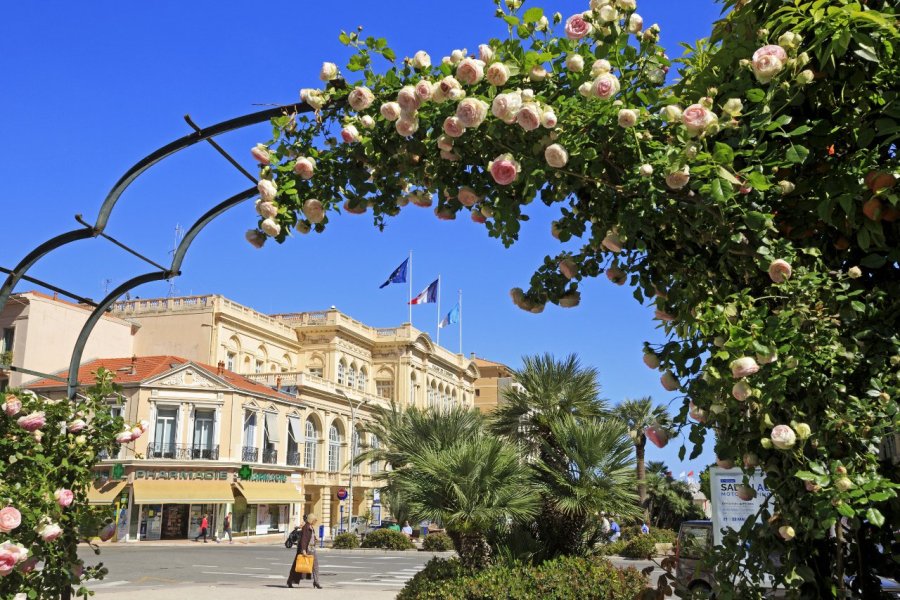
x: 256, y: 575
x: 107, y: 584
x: 207, y: 566
x: 339, y: 567
x: 381, y: 583
x: 256, y: 568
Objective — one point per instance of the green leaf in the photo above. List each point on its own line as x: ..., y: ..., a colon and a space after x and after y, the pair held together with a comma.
x: 846, y: 510
x: 858, y: 306
x: 875, y: 517
x: 716, y: 190
x: 389, y: 54
x: 723, y: 153
x: 727, y: 176
x: 806, y: 475
x: 533, y: 15
x: 867, y: 53
x: 796, y: 154
x: 512, y: 20
x: 758, y: 181
x: 873, y: 261
x: 756, y: 95
x: 344, y: 38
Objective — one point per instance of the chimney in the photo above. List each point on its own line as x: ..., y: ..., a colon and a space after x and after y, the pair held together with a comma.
x: 133, y: 364
x: 278, y: 383
x: 473, y: 356
x: 220, y: 368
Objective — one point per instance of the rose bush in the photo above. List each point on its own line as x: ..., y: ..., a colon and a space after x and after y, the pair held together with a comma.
x: 46, y: 464
x: 753, y: 205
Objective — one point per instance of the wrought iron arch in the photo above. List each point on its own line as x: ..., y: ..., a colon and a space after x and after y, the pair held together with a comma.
x: 20, y: 271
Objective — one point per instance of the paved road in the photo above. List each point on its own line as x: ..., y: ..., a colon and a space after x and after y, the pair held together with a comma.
x: 254, y: 567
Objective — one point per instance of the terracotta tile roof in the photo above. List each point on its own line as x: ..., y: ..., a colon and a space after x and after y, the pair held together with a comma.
x: 144, y: 368
x: 483, y: 362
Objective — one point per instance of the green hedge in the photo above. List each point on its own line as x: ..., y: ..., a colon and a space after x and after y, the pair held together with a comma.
x: 388, y: 540
x: 611, y: 548
x: 345, y: 541
x: 437, y: 542
x: 640, y: 547
x: 659, y: 535
x: 566, y: 578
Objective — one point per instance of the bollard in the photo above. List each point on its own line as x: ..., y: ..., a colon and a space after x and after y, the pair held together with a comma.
x: 321, y: 536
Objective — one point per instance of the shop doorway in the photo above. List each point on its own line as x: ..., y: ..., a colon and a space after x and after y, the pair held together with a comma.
x: 175, y: 521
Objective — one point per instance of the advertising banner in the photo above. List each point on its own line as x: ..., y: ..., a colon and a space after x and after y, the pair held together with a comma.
x: 729, y: 511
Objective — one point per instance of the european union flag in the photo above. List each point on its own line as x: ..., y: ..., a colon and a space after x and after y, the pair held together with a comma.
x: 398, y: 276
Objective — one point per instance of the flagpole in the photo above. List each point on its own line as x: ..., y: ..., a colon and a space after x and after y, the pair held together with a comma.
x: 460, y: 321
x: 409, y: 303
x: 438, y: 339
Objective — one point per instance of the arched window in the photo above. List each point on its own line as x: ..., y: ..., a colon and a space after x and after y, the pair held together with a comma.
x: 376, y: 465
x: 412, y: 389
x: 351, y: 376
x: 430, y: 397
x: 316, y: 367
x: 340, y: 372
x: 362, y: 380
x: 334, y: 449
x: 435, y: 396
x: 453, y: 400
x: 309, y: 459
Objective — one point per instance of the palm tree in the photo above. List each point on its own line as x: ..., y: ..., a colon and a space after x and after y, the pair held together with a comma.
x: 638, y: 414
x: 656, y: 467
x: 472, y: 485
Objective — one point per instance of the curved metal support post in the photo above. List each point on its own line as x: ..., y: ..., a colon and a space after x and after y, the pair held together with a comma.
x: 113, y: 196
x: 173, y: 271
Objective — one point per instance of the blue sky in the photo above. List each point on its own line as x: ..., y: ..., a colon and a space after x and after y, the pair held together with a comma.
x: 91, y: 87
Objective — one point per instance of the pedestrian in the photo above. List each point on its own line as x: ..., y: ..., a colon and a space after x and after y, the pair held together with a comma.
x: 615, y: 529
x: 306, y: 546
x: 645, y: 529
x: 204, y: 527
x: 407, y: 529
x: 226, y: 529
x: 604, y: 525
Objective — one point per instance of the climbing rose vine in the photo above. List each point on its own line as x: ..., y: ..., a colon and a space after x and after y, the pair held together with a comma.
x: 752, y: 203
x: 47, y: 451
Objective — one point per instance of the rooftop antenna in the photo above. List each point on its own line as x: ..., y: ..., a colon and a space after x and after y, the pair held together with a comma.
x: 106, y: 284
x: 179, y: 234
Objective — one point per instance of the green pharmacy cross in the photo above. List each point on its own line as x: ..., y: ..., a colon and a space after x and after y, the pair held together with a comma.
x: 245, y: 472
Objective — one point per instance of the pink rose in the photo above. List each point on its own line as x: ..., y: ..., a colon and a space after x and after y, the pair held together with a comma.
x: 7, y: 562
x: 49, y: 531
x: 556, y: 156
x: 470, y: 71
x: 663, y: 315
x: 529, y: 116
x: 697, y: 119
x: 505, y: 106
x: 424, y: 90
x: 350, y: 134
x: 406, y: 126
x: 651, y: 359
x: 697, y: 413
x: 304, y: 167
x: 367, y: 122
x: 12, y: 406
x: 741, y: 391
x: 124, y: 437
x: 18, y: 551
x: 478, y: 217
x: 767, y: 62
x: 261, y: 153
x: 313, y: 210
x: 453, y: 127
x: 256, y: 239
x: 267, y: 210
x: 504, y: 169
x: 568, y: 268
x: 271, y: 228
x: 76, y: 426
x: 570, y: 299
x: 497, y: 74
x: 678, y: 179
x: 390, y: 111
x: 467, y: 196
x: 548, y: 119
x: 446, y: 88
x: 32, y: 422
x: 144, y: 424
x: 360, y: 98
x: 743, y: 367
x: 445, y: 143
x: 267, y: 190
x: 450, y: 155
x: 605, y: 86
x: 422, y: 199
x: 669, y: 382
x: 64, y: 497
x: 780, y: 271
x: 408, y: 99
x: 657, y: 435
x: 577, y: 27
x: 444, y: 213
x: 10, y: 518
x: 616, y: 275
x: 471, y: 112
x: 783, y: 437
x: 485, y: 53
x: 612, y: 242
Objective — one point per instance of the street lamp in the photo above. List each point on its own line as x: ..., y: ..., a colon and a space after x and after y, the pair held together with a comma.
x: 352, y: 457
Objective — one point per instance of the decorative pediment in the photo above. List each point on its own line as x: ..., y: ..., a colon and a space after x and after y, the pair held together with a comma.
x: 188, y: 376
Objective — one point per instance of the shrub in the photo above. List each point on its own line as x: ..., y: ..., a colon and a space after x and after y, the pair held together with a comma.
x: 663, y: 536
x: 388, y: 540
x: 566, y: 578
x: 345, y: 541
x: 639, y: 547
x: 612, y: 548
x: 437, y: 542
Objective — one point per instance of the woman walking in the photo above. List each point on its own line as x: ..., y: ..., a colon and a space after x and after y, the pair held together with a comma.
x: 305, y: 547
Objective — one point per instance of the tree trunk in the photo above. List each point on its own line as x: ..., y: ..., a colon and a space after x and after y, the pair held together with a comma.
x: 473, y: 550
x: 641, y: 471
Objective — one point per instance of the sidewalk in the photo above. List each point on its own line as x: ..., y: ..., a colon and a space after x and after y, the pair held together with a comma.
x: 230, y: 592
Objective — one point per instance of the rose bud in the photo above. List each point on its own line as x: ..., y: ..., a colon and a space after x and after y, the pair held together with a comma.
x: 261, y: 153
x: 657, y: 435
x: 741, y: 391
x: 669, y: 382
x: 743, y: 367
x: 780, y: 271
x: 651, y: 359
x: 786, y: 532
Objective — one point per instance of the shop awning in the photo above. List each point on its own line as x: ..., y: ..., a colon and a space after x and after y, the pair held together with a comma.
x: 272, y: 427
x: 262, y: 492
x: 182, y: 492
x: 105, y: 493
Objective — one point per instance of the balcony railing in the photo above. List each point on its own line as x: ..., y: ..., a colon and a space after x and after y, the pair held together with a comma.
x: 183, y: 452
x: 270, y: 457
x: 249, y: 454
x: 293, y: 458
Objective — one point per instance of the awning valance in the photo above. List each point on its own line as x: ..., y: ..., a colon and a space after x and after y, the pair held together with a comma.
x: 261, y: 492
x: 104, y: 493
x: 182, y: 492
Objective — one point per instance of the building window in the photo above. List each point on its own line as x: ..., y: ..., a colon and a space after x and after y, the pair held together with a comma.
x: 340, y: 372
x: 385, y: 389
x: 293, y: 447
x: 164, y: 432
x: 334, y: 449
x: 250, y: 429
x: 202, y: 444
x: 309, y: 456
x: 354, y: 450
x: 270, y: 439
x: 362, y: 380
x: 230, y: 360
x: 259, y: 366
x: 9, y: 337
x: 351, y: 377
x: 412, y: 390
x: 375, y: 465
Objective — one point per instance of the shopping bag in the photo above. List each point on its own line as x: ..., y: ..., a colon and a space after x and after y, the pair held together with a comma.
x: 304, y: 563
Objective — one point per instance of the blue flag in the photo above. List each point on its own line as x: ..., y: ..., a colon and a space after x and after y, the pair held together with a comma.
x: 451, y: 319
x: 398, y: 276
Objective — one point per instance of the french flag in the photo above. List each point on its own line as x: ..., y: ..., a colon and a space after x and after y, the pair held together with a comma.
x: 427, y: 295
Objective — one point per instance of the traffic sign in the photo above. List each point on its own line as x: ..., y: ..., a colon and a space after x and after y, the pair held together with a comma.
x: 245, y: 472
x: 342, y: 494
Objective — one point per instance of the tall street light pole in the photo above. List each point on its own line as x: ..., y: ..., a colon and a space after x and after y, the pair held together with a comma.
x: 352, y: 452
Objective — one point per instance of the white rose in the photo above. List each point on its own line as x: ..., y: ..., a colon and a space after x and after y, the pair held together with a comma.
x: 548, y: 119
x: 733, y: 107
x: 267, y: 210
x: 608, y: 13
x: 575, y: 63
x: 421, y: 60
x: 671, y: 113
x: 329, y: 71
x: 529, y: 116
x: 390, y: 111
x: 367, y: 122
x: 538, y: 73
x: 600, y: 67
x: 505, y: 106
x: 626, y: 4
x: 360, y: 98
x: 628, y: 118
x: 497, y: 74
x: 270, y: 227
x: 485, y: 53
x: 635, y: 23
x: 646, y: 170
x: 586, y: 89
x: 678, y: 179
x: 457, y: 55
x: 267, y: 190
x: 556, y: 156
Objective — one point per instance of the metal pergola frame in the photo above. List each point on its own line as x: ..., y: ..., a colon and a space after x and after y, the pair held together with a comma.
x: 20, y: 271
